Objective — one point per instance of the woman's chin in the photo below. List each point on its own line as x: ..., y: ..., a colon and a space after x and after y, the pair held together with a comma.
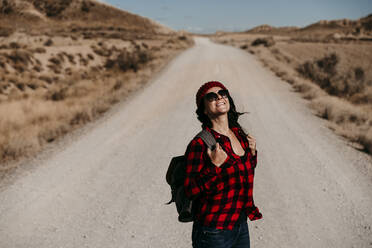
x: 222, y: 109
x: 221, y: 112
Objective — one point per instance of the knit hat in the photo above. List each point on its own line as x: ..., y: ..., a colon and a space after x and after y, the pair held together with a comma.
x: 204, y: 88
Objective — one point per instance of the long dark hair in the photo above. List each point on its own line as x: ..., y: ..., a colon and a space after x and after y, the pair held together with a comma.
x: 232, y: 116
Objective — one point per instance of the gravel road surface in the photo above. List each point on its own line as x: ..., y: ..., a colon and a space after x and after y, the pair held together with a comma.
x: 105, y: 185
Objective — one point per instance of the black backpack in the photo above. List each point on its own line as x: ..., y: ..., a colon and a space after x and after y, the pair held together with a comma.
x: 175, y: 178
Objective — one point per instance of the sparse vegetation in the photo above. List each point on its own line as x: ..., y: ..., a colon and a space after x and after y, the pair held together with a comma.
x: 128, y: 61
x: 56, y: 82
x: 267, y: 42
x: 49, y: 42
x: 329, y: 70
x: 52, y: 8
x: 323, y: 72
x: 85, y: 6
x: 6, y: 7
x: 40, y: 50
x: 14, y: 45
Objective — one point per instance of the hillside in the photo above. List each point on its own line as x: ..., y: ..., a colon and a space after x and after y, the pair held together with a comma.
x: 54, y: 13
x: 64, y: 63
x: 339, y: 28
x: 270, y: 29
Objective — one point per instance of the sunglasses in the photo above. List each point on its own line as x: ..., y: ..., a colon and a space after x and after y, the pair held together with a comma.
x: 211, y: 96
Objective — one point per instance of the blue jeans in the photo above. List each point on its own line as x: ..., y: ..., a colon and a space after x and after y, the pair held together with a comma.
x: 209, y: 237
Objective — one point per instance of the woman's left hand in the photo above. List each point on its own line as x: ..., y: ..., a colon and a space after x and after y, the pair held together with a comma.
x: 252, y: 144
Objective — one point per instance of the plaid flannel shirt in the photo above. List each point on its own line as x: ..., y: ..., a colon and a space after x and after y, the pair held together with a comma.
x: 221, y: 193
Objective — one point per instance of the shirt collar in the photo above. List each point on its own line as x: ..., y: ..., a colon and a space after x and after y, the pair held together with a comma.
x: 217, y: 135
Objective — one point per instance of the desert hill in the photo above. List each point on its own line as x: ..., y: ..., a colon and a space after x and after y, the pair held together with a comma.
x: 362, y: 26
x: 54, y: 13
x: 65, y: 62
x: 270, y: 29
x: 344, y: 25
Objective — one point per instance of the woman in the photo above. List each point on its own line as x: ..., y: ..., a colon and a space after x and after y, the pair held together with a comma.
x: 220, y: 182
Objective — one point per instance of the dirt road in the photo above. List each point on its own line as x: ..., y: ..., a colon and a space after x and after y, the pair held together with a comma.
x: 106, y: 187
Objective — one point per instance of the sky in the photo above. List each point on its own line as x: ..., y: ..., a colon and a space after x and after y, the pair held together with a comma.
x: 208, y: 16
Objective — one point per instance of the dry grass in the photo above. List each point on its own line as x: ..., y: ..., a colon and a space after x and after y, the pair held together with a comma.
x: 29, y: 122
x: 323, y: 72
x: 335, y: 78
x: 57, y: 83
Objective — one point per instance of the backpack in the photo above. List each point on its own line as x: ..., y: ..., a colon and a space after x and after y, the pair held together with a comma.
x: 176, y: 176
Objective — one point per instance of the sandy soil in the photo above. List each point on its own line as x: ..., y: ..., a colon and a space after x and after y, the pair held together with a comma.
x: 105, y: 186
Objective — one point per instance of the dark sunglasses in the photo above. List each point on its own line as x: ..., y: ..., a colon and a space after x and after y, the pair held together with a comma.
x: 211, y: 96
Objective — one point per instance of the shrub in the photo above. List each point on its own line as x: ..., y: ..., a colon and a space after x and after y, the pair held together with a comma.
x: 110, y: 63
x: 6, y: 7
x: 83, y: 61
x: 61, y: 57
x: 49, y: 42
x: 71, y: 58
x: 37, y: 68
x: 2, y: 64
x: 117, y: 85
x: 20, y: 86
x: 57, y: 95
x: 328, y: 63
x: 52, y: 8
x: 68, y: 71
x: 20, y: 59
x: 104, y: 52
x: 267, y: 42
x: 47, y: 79
x: 55, y: 61
x: 40, y: 50
x: 79, y: 118
x: 307, y: 70
x: 324, y: 73
x: 359, y: 73
x: 144, y: 56
x: 32, y: 86
x: 128, y: 61
x: 14, y: 45
x: 85, y: 6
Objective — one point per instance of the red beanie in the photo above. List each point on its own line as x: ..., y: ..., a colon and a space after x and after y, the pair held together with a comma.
x: 204, y: 88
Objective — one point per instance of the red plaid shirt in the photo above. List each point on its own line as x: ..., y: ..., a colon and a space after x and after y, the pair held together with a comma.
x: 223, y: 191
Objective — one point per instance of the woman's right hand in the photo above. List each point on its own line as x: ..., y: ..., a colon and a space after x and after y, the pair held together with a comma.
x: 217, y: 156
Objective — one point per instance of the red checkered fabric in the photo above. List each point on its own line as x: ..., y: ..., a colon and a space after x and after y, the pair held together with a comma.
x: 221, y: 193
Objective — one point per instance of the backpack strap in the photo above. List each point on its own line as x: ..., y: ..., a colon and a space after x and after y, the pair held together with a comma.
x: 208, y: 139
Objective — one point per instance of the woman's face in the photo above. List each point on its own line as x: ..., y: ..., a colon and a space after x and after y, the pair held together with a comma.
x: 216, y: 107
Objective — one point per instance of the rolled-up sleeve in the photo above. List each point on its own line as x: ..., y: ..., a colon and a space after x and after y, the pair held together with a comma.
x: 201, y: 174
x: 253, y: 213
